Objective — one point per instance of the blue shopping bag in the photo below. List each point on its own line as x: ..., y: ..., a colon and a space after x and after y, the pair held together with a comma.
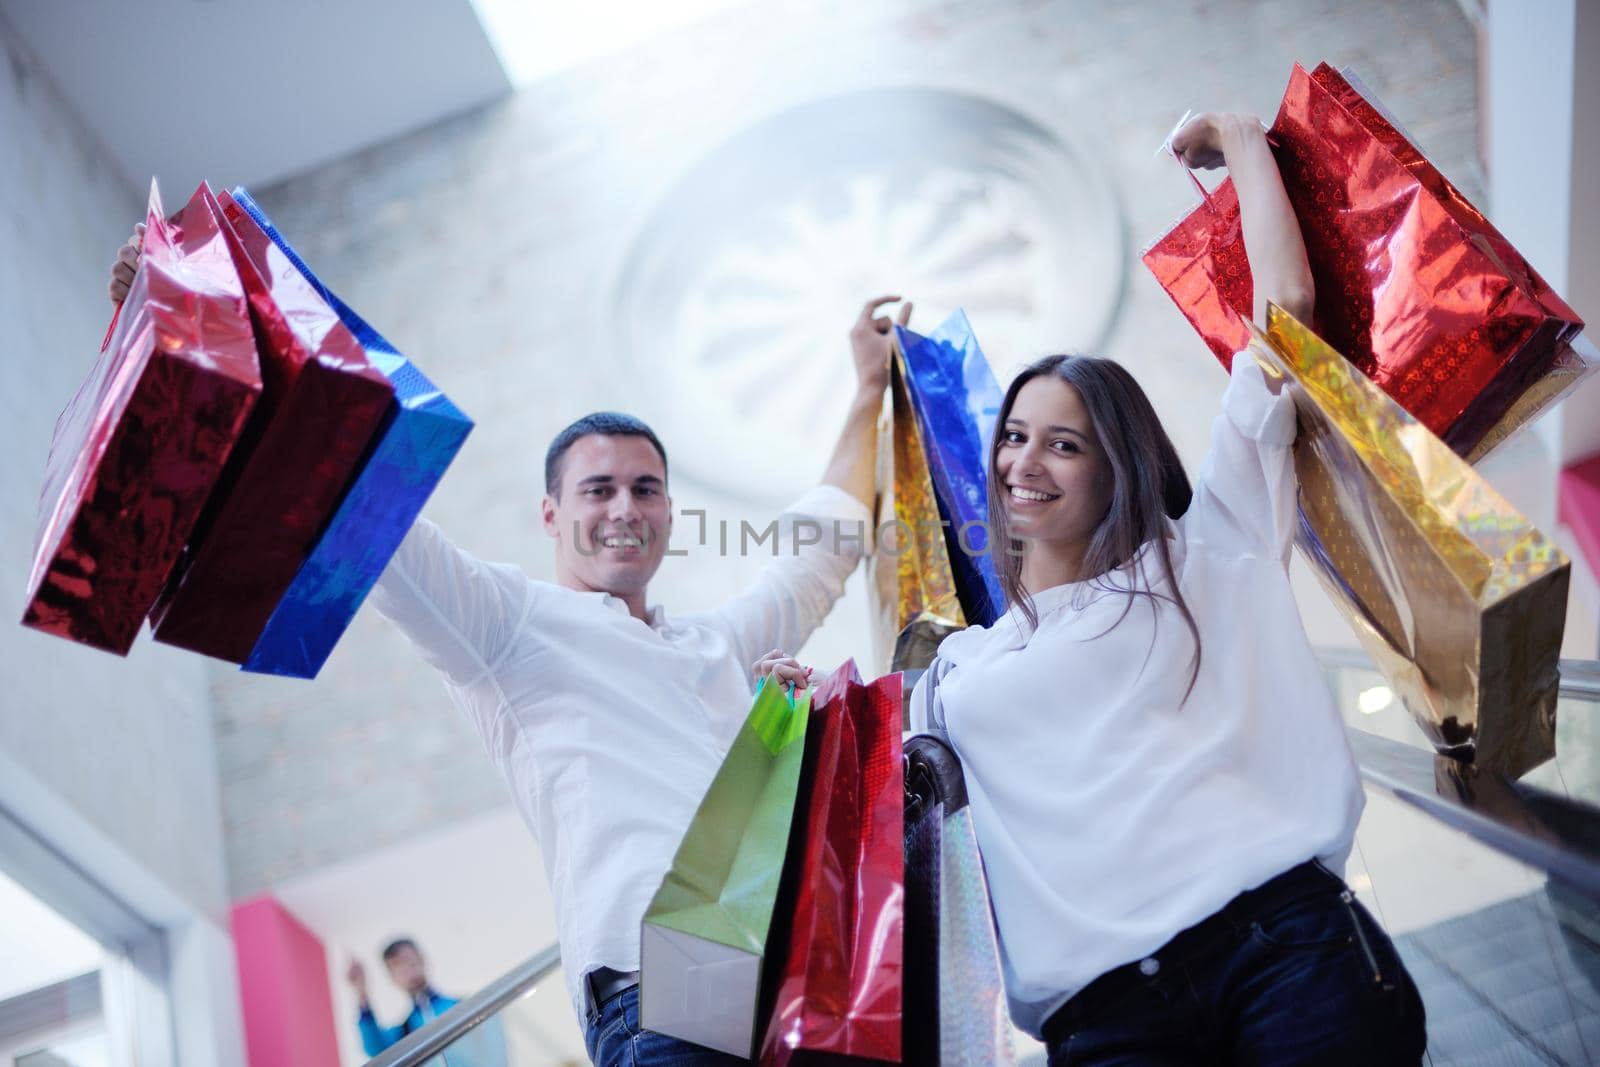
x: 956, y: 400
x: 419, y: 438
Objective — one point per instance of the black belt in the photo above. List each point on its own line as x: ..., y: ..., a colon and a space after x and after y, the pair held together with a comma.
x: 603, y: 983
x: 1306, y: 879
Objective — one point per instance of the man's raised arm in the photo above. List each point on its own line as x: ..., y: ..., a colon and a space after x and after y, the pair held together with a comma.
x: 854, y: 465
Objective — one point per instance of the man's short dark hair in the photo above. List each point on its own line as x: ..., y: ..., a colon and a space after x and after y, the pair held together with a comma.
x: 604, y: 423
x: 394, y: 948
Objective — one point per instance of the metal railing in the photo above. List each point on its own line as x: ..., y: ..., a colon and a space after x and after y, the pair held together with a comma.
x: 421, y: 1045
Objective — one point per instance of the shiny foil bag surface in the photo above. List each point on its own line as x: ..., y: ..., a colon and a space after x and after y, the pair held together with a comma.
x: 956, y: 400
x: 420, y: 435
x: 321, y: 405
x: 1459, y: 600
x: 974, y: 1023
x: 1413, y: 284
x: 915, y: 604
x: 956, y: 1012
x: 1575, y: 360
x: 839, y: 992
x: 143, y: 442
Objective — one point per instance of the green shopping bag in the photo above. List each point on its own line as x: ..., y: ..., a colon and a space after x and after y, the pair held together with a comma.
x: 705, y: 932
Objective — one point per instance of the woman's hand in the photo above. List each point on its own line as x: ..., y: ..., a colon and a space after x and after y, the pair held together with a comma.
x: 783, y: 669
x: 1202, y: 143
x: 1272, y: 241
x: 126, y: 265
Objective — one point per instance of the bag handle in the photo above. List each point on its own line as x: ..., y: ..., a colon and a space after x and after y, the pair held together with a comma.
x: 1199, y: 187
x: 155, y: 222
x: 1166, y: 146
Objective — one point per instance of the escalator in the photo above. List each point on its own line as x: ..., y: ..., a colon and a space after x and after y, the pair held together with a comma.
x: 1489, y: 886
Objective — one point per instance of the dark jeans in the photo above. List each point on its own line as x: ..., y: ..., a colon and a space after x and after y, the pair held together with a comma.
x: 1293, y: 972
x: 615, y: 1040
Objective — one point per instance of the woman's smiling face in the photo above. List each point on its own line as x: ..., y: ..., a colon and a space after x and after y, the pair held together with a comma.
x: 1055, y: 476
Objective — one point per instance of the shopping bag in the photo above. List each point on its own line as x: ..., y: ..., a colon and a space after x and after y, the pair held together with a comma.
x: 924, y: 816
x: 705, y: 931
x: 955, y: 1009
x: 1459, y: 600
x: 915, y: 604
x: 956, y: 400
x: 837, y: 996
x: 321, y: 405
x: 139, y: 449
x: 1413, y: 284
x: 419, y: 436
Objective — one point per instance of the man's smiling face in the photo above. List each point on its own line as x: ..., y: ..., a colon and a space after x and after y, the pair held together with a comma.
x: 610, y: 514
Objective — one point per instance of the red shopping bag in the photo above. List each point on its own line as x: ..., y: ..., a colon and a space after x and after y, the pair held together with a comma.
x: 837, y: 990
x: 321, y: 405
x: 1414, y: 285
x: 137, y: 452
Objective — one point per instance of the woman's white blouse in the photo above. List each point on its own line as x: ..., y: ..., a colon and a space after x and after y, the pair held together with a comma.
x: 1110, y: 817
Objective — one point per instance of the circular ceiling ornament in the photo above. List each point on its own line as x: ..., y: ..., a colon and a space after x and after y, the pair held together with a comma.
x: 736, y: 297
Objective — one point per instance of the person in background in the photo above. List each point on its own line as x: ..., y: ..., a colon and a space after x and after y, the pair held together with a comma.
x: 408, y: 971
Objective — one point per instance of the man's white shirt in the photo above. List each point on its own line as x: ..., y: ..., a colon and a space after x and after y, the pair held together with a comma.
x: 607, y: 729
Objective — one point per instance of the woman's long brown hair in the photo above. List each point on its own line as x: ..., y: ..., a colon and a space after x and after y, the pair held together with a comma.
x: 1149, y: 487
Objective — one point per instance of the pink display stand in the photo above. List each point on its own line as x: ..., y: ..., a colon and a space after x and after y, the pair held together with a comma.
x: 1578, y: 507
x: 283, y: 983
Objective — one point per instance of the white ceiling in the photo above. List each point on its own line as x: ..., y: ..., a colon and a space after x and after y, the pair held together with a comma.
x: 236, y: 91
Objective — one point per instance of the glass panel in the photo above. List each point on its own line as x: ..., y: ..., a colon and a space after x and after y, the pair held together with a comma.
x: 1506, y: 961
x: 1575, y: 772
x: 536, y: 1028
x: 1365, y: 701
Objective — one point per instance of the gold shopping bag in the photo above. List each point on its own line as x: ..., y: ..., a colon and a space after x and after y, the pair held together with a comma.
x: 1456, y: 596
x: 913, y: 589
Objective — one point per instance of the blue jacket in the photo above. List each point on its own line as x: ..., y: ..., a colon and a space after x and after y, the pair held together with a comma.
x: 376, y: 1038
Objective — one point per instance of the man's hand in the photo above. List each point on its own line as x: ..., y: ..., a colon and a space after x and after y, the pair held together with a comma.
x: 869, y: 343
x: 781, y: 668
x: 357, y: 977
x: 126, y: 265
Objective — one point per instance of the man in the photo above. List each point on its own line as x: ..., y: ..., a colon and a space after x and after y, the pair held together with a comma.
x: 403, y: 960
x: 607, y: 716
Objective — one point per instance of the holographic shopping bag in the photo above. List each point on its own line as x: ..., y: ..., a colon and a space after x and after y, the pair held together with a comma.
x: 956, y: 400
x: 1459, y: 600
x: 139, y: 449
x: 1414, y: 285
x: 321, y: 404
x: 915, y: 605
x: 419, y: 437
x: 837, y: 975
x: 955, y: 1008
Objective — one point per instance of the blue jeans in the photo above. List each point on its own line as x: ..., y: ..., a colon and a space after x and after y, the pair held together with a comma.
x: 615, y: 1040
x: 1294, y: 972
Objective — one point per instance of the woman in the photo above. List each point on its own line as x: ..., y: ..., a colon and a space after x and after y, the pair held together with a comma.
x: 1160, y: 781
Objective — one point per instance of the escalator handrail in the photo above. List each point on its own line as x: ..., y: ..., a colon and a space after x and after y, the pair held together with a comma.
x: 1580, y: 678
x: 420, y: 1045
